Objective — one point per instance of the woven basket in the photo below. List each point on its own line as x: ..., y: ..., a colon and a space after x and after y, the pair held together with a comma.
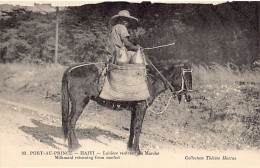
x: 125, y: 83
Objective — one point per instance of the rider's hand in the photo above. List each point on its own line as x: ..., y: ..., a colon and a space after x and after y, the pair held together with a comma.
x: 138, y: 46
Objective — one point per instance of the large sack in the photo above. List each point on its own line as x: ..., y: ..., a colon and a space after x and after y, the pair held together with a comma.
x: 125, y: 83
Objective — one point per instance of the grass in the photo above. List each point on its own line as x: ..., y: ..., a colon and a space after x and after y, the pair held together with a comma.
x: 44, y: 81
x: 224, y: 112
x: 223, y: 74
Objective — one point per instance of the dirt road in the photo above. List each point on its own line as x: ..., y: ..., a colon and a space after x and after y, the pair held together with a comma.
x: 27, y: 131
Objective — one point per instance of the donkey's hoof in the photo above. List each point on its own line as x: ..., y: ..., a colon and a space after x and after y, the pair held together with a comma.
x: 138, y: 153
x: 133, y: 151
x: 129, y: 148
x: 188, y: 98
x: 74, y: 148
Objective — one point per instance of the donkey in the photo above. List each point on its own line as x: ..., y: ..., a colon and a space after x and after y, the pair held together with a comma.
x: 80, y: 85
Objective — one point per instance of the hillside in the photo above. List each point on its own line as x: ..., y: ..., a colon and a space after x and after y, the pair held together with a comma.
x: 204, y: 34
x: 42, y: 8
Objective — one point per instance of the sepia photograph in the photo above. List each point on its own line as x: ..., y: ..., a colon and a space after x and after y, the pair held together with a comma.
x: 130, y: 84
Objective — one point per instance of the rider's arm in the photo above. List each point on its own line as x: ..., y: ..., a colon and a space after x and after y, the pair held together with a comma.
x: 129, y: 45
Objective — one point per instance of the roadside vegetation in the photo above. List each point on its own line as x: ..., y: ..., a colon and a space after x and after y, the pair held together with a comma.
x: 224, y: 112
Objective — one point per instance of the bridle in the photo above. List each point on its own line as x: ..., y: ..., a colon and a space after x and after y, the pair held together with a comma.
x: 174, y: 92
x: 183, y: 90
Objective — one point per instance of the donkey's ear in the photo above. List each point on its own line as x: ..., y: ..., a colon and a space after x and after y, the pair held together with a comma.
x: 187, y: 64
x: 179, y: 62
x: 178, y: 65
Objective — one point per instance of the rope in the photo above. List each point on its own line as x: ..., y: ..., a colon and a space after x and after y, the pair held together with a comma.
x: 157, y: 47
x: 92, y: 63
x: 172, y: 88
x: 149, y: 107
x: 182, y: 81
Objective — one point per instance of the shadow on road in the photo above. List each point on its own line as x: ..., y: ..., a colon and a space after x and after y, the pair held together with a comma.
x: 45, y: 133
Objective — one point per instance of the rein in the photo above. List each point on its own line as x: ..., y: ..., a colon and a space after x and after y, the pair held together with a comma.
x: 149, y: 107
x: 171, y: 87
x: 165, y: 80
x: 175, y: 92
x: 169, y: 84
x: 89, y: 63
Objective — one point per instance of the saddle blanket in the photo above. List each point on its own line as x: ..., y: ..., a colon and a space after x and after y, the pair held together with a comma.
x: 125, y: 83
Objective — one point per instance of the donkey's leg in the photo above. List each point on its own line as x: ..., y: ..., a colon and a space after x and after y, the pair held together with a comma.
x: 131, y: 136
x: 138, y: 121
x: 187, y: 98
x: 77, y: 108
x: 179, y: 98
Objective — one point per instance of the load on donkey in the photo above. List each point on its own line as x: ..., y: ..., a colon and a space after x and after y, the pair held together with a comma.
x: 127, y: 82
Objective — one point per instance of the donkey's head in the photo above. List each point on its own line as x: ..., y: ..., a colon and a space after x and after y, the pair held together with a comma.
x: 187, y: 84
x: 180, y: 77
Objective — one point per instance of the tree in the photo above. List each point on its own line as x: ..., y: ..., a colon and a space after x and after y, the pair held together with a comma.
x: 27, y: 37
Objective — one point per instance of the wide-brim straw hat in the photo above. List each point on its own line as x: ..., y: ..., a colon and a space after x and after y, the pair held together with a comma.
x: 125, y: 14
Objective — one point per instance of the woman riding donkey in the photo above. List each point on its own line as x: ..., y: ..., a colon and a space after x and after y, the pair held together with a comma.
x: 120, y: 49
x: 80, y: 85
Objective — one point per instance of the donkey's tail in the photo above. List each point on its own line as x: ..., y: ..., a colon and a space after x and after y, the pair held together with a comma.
x: 65, y: 104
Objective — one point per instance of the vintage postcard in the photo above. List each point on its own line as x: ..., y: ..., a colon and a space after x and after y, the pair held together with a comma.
x: 129, y: 84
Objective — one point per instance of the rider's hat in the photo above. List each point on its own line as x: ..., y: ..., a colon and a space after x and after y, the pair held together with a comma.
x: 124, y: 14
